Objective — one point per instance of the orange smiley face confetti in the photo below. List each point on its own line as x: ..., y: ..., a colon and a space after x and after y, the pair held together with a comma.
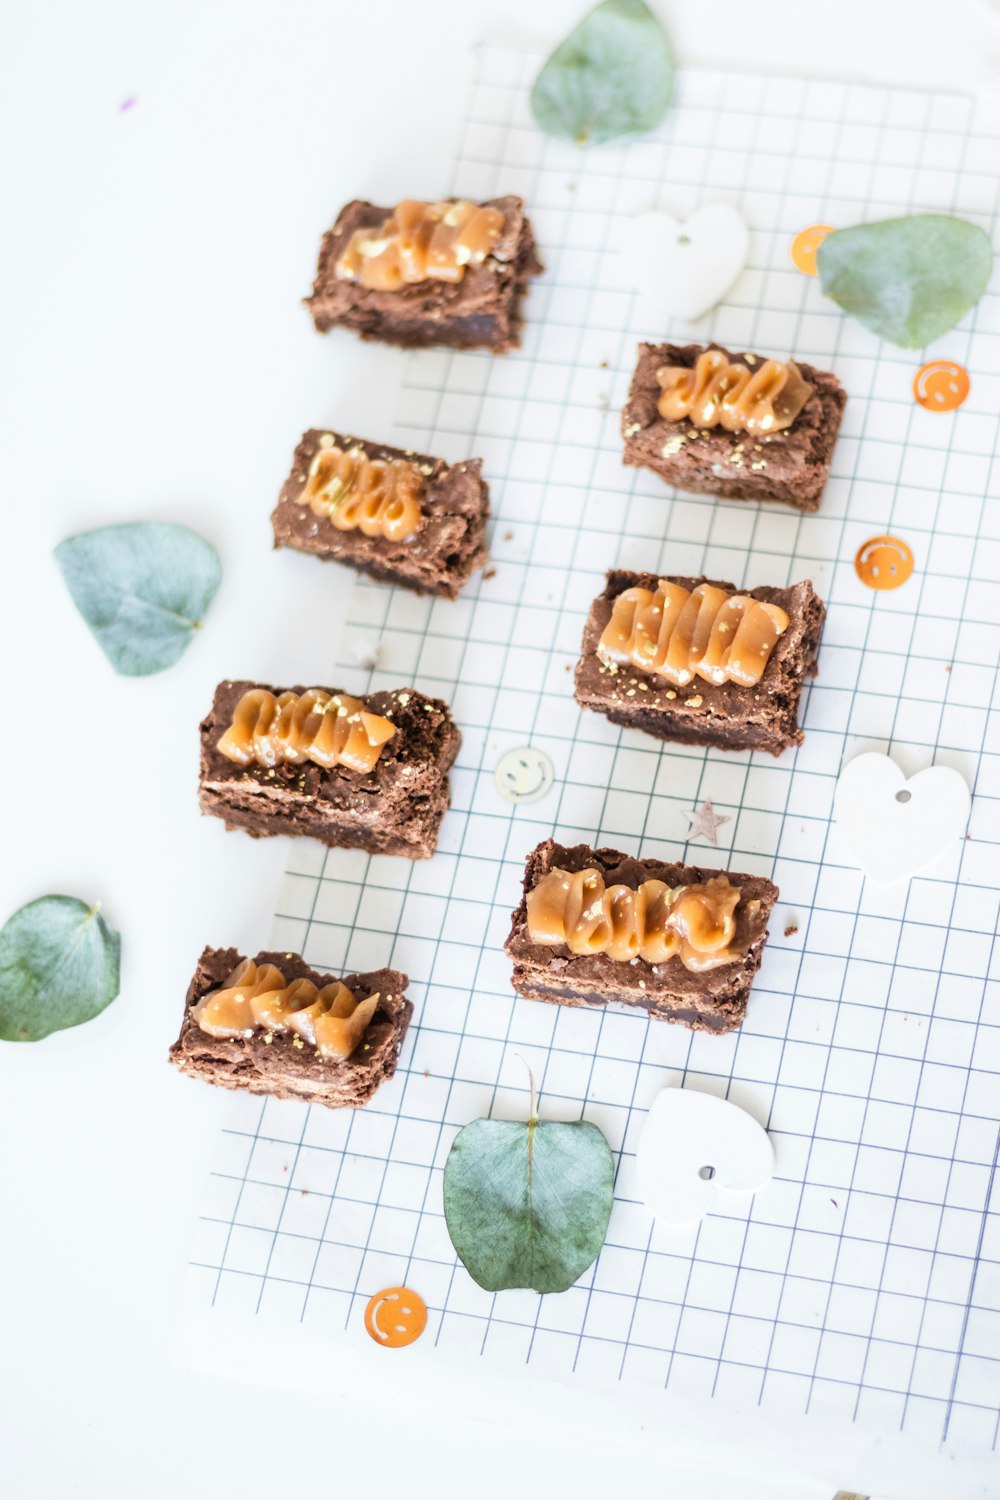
x: 884, y: 562
x: 396, y: 1317
x: 805, y: 245
x: 941, y: 385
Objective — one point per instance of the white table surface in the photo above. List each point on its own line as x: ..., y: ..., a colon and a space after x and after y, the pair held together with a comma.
x: 156, y: 363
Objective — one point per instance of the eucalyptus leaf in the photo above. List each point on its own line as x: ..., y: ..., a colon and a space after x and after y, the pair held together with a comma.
x: 143, y: 588
x: 908, y: 280
x: 612, y: 76
x: 528, y: 1204
x: 59, y: 963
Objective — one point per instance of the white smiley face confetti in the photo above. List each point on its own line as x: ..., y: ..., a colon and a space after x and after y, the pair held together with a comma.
x: 524, y: 775
x: 685, y: 267
x: 894, y: 827
x: 695, y: 1149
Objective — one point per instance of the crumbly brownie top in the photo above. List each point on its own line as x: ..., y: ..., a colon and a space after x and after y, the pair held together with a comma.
x: 425, y: 736
x: 626, y: 685
x: 476, y: 292
x: 782, y: 460
x: 453, y: 508
x: 757, y: 897
x: 287, y: 1055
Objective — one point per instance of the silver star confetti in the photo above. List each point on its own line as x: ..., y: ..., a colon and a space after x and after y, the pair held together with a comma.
x: 705, y: 821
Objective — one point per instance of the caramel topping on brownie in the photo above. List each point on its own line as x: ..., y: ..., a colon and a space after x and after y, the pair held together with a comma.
x: 655, y: 922
x: 330, y: 731
x: 254, y: 998
x: 709, y: 633
x: 719, y: 394
x: 420, y: 242
x: 380, y: 497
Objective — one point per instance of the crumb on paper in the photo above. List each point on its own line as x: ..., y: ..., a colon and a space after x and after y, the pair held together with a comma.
x: 490, y: 573
x: 365, y: 651
x: 791, y: 929
x: 508, y: 536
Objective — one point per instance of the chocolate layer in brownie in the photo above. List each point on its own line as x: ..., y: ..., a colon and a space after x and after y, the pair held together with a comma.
x: 482, y: 311
x: 712, y: 1001
x: 442, y: 555
x: 727, y: 716
x: 396, y: 808
x: 791, y: 466
x: 276, y: 1065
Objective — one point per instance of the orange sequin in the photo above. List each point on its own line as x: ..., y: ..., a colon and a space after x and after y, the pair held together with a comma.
x: 884, y: 562
x: 396, y: 1317
x: 940, y: 385
x: 805, y: 245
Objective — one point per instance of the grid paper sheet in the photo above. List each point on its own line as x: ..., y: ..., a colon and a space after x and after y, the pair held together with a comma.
x: 864, y: 1282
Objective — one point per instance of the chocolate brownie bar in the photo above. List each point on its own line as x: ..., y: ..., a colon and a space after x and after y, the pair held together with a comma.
x: 559, y: 947
x: 402, y: 517
x: 700, y: 452
x: 266, y: 1060
x: 468, y: 296
x: 356, y: 774
x: 725, y: 714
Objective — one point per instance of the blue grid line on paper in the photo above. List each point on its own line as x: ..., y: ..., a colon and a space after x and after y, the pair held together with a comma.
x: 866, y: 1280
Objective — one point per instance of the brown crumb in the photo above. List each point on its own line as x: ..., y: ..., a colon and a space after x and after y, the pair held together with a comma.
x: 508, y: 536
x: 791, y: 929
x: 490, y: 573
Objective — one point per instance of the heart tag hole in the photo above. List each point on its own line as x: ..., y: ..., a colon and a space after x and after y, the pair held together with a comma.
x: 706, y: 1173
x: 683, y: 239
x: 903, y: 795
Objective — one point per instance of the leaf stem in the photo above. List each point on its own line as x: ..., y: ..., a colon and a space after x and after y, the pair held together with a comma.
x: 533, y: 1115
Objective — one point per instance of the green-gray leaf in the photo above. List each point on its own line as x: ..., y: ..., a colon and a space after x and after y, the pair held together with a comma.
x: 908, y: 280
x: 527, y: 1205
x: 612, y: 76
x: 59, y: 964
x: 142, y: 588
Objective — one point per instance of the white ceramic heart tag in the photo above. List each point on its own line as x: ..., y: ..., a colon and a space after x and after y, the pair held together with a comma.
x: 686, y: 266
x: 693, y: 1148
x: 895, y: 827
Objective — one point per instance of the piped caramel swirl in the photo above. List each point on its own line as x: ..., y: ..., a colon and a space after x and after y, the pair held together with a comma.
x: 420, y: 242
x: 717, y: 393
x: 377, y: 496
x: 707, y: 632
x: 655, y: 921
x: 328, y: 730
x: 257, y: 997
